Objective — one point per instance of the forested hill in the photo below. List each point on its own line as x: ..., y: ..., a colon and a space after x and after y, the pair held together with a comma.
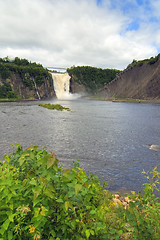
x: 140, y: 80
x: 91, y: 78
x: 21, y: 79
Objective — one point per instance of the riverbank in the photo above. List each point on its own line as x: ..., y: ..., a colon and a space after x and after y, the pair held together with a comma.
x: 129, y: 100
x: 17, y: 99
x: 9, y: 100
x: 136, y: 100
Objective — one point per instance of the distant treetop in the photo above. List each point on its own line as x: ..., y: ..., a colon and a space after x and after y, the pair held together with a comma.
x: 150, y: 61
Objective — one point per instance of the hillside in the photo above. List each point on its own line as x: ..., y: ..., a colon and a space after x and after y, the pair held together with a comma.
x: 90, y: 79
x: 20, y: 79
x: 140, y: 80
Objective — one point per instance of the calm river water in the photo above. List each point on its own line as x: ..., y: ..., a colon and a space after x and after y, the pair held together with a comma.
x: 110, y: 139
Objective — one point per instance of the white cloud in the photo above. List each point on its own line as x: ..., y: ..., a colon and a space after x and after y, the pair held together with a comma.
x: 73, y: 32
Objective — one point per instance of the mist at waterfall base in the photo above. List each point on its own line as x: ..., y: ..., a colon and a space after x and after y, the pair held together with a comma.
x: 61, y: 83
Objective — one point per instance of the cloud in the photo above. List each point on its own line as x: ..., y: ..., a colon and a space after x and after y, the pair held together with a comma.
x: 77, y: 32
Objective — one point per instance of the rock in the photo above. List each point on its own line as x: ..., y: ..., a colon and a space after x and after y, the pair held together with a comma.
x: 126, y: 199
x: 116, y: 196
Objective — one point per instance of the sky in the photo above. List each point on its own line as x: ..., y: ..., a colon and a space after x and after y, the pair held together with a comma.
x: 65, y: 33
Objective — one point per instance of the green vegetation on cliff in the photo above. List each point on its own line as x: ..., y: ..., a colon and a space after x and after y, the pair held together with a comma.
x: 91, y: 77
x: 41, y: 200
x: 30, y: 74
x: 139, y: 63
x: 6, y: 91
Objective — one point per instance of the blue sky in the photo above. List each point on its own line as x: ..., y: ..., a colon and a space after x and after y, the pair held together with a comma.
x: 100, y: 33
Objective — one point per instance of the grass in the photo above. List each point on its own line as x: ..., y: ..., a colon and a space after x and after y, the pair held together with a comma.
x: 9, y: 99
x: 54, y: 107
x: 126, y: 100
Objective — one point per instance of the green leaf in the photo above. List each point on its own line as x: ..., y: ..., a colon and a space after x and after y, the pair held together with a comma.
x: 6, y: 157
x: 112, y: 231
x: 133, y: 192
x: 36, y: 192
x: 92, y: 211
x: 87, y: 233
x: 5, y: 226
x: 65, y: 172
x: 53, y: 233
x: 92, y: 232
x: 10, y: 235
x: 51, y: 160
x: 59, y: 200
x: 11, y: 217
x: 77, y: 188
x: 120, y: 232
x: 37, y: 200
x: 22, y: 158
x: 49, y: 193
x: 31, y: 148
x: 33, y: 182
x: 66, y: 204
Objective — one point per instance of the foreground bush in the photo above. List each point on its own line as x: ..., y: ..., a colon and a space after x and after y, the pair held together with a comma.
x: 41, y: 200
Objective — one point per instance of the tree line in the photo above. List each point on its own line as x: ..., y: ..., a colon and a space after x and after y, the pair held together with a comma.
x: 27, y: 71
x: 92, y: 77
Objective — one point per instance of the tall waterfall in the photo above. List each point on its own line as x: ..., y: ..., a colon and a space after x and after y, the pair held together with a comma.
x: 61, y: 82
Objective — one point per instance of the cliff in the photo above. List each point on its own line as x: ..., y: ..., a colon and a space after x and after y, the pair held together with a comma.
x: 140, y: 80
x: 76, y: 87
x: 87, y: 79
x: 20, y: 79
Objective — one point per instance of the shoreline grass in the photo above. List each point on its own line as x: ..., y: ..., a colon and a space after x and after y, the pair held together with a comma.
x: 129, y: 100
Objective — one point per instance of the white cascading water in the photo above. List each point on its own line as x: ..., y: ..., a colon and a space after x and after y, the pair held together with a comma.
x: 61, y: 82
x: 35, y: 85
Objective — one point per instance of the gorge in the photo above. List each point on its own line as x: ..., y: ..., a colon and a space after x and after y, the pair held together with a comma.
x: 23, y: 80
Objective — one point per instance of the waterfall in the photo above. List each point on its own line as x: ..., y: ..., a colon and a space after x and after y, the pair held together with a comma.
x: 61, y: 82
x: 36, y: 89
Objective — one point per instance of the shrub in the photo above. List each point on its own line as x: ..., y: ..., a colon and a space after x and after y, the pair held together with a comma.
x: 41, y: 200
x: 6, y: 91
x: 4, y: 71
x: 144, y: 213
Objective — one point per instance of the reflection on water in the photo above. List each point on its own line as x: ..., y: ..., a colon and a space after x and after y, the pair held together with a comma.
x: 108, y: 138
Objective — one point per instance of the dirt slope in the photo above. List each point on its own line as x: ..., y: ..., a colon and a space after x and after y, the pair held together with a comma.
x: 137, y: 82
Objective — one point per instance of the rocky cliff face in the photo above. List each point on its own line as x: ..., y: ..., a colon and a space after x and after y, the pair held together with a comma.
x: 31, y: 92
x: 76, y: 87
x: 141, y: 81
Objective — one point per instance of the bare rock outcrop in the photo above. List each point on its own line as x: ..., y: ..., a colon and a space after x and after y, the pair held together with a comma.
x: 137, y: 82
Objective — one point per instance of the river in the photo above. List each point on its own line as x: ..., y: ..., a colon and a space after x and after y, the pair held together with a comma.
x: 110, y: 139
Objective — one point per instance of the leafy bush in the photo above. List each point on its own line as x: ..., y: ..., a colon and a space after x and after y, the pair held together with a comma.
x: 144, y: 212
x: 4, y: 71
x: 6, y: 91
x: 41, y: 200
